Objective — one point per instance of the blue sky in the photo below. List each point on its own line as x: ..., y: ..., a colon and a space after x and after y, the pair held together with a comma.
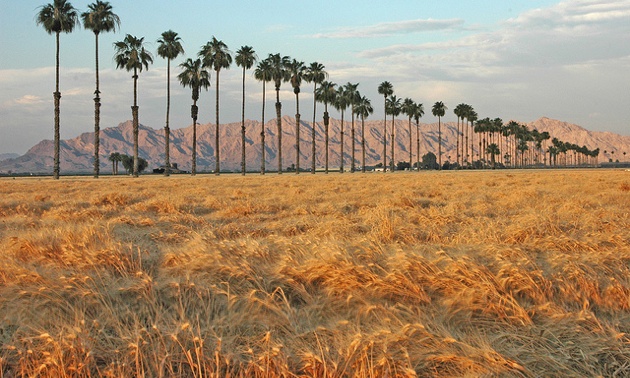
x: 518, y: 60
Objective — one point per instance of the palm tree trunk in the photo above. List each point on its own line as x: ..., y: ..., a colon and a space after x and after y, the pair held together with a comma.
x: 363, y: 144
x: 194, y: 112
x: 262, y: 135
x: 297, y: 134
x: 352, y: 167
x: 243, y: 128
x: 410, y: 146
x: 440, y: 143
x: 167, y: 130
x: 418, y: 145
x: 97, y: 118
x: 313, y: 130
x: 385, y: 137
x: 391, y: 163
x: 326, y: 132
x: 279, y: 123
x: 134, y: 111
x: 57, y: 97
x: 217, y: 169
x: 341, y: 156
x: 457, y: 143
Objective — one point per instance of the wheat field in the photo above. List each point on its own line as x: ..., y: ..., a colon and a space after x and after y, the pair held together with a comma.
x: 431, y: 274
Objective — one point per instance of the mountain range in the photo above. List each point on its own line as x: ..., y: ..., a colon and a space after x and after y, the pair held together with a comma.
x: 77, y: 153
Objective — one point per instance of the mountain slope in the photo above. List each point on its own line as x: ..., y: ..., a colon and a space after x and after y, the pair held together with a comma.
x: 76, y: 153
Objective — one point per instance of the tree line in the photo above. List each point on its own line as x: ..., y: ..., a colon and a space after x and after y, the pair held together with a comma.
x: 521, y: 146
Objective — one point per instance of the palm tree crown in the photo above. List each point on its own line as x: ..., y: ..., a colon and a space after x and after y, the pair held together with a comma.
x: 60, y: 16
x: 131, y: 54
x: 170, y: 46
x: 194, y: 76
x: 100, y: 18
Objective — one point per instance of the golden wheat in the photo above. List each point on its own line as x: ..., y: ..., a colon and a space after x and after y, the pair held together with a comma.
x: 449, y: 274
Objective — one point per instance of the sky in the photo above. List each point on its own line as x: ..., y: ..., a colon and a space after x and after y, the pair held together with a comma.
x: 517, y: 60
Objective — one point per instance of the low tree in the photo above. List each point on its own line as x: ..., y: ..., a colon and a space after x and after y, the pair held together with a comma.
x: 128, y: 163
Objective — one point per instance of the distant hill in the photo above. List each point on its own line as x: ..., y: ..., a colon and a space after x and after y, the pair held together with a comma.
x: 76, y: 153
x: 8, y: 156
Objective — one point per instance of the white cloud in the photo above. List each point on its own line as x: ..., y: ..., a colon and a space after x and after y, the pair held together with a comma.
x: 387, y: 29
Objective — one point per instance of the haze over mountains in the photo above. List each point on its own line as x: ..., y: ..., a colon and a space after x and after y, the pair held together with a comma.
x: 77, y: 153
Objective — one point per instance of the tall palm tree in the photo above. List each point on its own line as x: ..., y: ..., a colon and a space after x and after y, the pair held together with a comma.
x: 195, y: 77
x: 279, y: 73
x: 132, y: 56
x: 353, y: 96
x: 169, y: 48
x: 418, y: 112
x: 60, y: 16
x: 99, y: 18
x: 297, y: 71
x: 409, y: 108
x: 315, y: 74
x: 263, y: 73
x: 341, y: 104
x: 245, y: 57
x: 326, y: 93
x: 363, y: 109
x: 215, y: 55
x: 386, y: 89
x: 393, y: 107
x: 459, y: 111
x: 471, y: 116
x: 438, y: 110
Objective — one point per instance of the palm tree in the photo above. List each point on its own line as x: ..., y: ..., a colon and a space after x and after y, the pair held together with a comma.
x: 353, y: 97
x: 279, y: 73
x: 297, y: 71
x: 459, y: 111
x: 409, y: 108
x: 326, y: 93
x: 60, y: 16
x: 493, y: 150
x: 341, y: 103
x: 215, y: 55
x: 245, y: 57
x: 363, y: 109
x: 115, y: 158
x: 194, y: 75
x: 393, y: 106
x: 263, y: 73
x: 169, y: 48
x: 418, y: 112
x: 315, y: 74
x: 99, y: 18
x: 438, y: 110
x: 386, y: 89
x: 132, y: 56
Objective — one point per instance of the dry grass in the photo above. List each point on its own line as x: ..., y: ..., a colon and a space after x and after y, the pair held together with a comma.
x: 450, y: 274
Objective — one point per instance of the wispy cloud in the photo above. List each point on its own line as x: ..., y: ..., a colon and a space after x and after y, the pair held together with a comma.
x: 29, y: 100
x: 387, y: 29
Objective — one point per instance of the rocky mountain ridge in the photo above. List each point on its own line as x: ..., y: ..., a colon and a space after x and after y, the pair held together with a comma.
x: 77, y: 153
